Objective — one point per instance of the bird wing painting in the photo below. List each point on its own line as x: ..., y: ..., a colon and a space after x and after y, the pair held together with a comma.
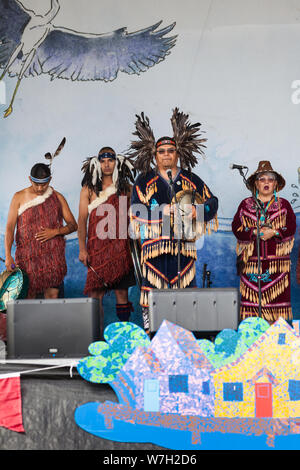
x: 30, y: 45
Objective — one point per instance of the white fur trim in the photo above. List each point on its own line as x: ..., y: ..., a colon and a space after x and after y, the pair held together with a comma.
x: 36, y: 201
x: 95, y: 169
x: 115, y: 174
x: 123, y: 160
x: 103, y: 196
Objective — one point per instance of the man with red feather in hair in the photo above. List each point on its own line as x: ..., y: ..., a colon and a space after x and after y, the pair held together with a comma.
x: 104, y: 203
x: 37, y: 213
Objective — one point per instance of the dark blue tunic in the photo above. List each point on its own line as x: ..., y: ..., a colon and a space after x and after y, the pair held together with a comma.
x: 158, y: 234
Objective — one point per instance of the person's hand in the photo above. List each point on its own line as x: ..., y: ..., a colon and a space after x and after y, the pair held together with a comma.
x: 46, y: 234
x: 10, y: 263
x: 267, y: 233
x: 84, y: 257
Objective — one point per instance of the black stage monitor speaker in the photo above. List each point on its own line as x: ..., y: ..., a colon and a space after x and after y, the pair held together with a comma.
x: 51, y: 328
x: 196, y: 310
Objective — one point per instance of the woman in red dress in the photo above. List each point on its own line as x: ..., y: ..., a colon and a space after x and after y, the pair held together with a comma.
x: 277, y: 228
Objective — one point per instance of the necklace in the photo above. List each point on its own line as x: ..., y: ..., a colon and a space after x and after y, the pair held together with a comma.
x: 263, y: 216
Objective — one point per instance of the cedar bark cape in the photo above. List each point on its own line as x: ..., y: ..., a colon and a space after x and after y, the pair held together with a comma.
x: 44, y: 263
x: 109, y: 257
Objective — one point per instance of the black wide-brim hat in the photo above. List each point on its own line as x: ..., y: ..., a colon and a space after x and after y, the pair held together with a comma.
x: 265, y: 166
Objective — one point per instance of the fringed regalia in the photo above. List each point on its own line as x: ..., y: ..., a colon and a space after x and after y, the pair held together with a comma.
x: 108, y: 253
x: 159, y: 246
x: 275, y: 259
x: 298, y: 268
x: 44, y: 263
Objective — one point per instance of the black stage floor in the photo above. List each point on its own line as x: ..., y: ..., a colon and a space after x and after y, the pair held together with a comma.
x: 49, y: 400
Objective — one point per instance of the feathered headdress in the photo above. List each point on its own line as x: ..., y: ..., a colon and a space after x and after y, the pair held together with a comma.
x: 187, y: 138
x: 123, y: 174
x: 142, y: 151
x: 51, y: 157
x: 188, y: 141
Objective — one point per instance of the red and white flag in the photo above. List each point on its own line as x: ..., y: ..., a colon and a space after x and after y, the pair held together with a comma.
x: 11, y: 402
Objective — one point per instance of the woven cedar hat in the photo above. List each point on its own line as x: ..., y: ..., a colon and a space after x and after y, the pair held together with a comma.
x: 265, y: 166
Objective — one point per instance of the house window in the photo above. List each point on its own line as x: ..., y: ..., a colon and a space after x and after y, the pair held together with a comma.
x: 205, y: 388
x: 178, y: 384
x: 281, y: 338
x: 294, y: 390
x: 233, y: 391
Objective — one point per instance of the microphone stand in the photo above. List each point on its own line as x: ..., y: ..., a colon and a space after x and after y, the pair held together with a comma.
x: 204, y: 274
x: 209, y: 282
x: 259, y: 209
x: 173, y: 196
x: 206, y: 277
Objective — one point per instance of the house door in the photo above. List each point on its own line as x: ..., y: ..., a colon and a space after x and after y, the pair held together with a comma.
x: 151, y: 395
x: 263, y: 400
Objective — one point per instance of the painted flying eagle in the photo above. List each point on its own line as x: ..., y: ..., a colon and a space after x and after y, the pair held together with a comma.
x: 30, y: 45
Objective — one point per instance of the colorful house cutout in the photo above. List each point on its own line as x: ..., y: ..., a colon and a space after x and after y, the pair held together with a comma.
x: 170, y: 394
x: 172, y: 375
x: 265, y: 380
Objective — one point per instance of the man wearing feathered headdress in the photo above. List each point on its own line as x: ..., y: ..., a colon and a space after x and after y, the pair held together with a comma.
x: 104, y: 245
x: 37, y: 213
x: 165, y: 179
